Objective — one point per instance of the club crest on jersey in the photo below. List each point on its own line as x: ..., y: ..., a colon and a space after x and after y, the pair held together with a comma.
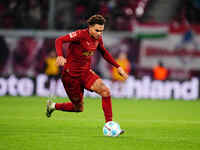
x: 88, y: 53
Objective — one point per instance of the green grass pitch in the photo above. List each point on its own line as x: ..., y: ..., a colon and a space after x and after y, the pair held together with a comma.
x: 149, y: 125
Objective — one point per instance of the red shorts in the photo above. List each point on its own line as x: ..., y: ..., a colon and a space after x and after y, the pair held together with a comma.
x: 74, y: 86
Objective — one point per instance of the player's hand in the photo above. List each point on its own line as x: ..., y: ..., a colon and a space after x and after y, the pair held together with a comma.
x: 122, y: 73
x: 60, y: 61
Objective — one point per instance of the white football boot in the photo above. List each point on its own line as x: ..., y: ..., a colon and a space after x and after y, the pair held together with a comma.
x: 50, y: 108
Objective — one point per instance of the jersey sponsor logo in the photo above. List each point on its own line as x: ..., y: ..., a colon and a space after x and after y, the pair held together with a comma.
x: 88, y: 53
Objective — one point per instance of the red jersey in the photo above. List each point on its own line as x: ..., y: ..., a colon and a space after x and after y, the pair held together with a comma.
x: 81, y: 49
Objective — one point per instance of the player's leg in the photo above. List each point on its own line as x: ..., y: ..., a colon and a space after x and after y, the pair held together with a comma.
x: 66, y: 106
x: 76, y: 104
x: 74, y: 91
x: 94, y: 83
x: 99, y: 87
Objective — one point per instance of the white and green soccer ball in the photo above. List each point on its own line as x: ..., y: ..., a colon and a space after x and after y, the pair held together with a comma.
x: 112, y: 129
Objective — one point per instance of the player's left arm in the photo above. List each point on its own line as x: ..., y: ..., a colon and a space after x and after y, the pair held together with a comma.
x: 108, y: 57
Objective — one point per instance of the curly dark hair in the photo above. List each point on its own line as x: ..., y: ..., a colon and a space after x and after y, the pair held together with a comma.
x: 96, y: 19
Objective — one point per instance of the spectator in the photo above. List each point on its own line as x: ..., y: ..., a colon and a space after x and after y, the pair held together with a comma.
x: 160, y: 72
x: 51, y: 68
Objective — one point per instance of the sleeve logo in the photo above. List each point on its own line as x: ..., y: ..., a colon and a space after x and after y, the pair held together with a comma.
x: 72, y: 34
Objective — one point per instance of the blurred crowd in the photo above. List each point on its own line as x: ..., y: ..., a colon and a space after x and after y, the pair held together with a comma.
x: 192, y: 11
x: 33, y: 14
x: 19, y: 14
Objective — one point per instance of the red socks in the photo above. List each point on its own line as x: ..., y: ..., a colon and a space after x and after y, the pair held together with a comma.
x: 107, y: 108
x: 65, y: 106
x: 106, y: 105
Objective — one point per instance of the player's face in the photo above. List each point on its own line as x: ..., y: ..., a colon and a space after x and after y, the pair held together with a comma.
x: 96, y: 30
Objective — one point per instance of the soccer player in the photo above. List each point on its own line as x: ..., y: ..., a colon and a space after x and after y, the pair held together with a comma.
x: 76, y: 74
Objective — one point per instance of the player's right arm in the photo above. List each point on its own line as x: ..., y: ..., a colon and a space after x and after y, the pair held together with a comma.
x: 60, y: 61
x: 71, y: 37
x: 107, y: 56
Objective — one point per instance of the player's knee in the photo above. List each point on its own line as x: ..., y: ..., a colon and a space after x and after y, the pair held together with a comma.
x: 105, y: 92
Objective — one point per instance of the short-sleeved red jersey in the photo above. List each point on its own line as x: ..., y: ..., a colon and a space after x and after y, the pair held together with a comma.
x: 81, y: 49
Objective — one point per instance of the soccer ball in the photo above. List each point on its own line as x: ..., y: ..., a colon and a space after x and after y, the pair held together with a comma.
x: 111, y: 128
